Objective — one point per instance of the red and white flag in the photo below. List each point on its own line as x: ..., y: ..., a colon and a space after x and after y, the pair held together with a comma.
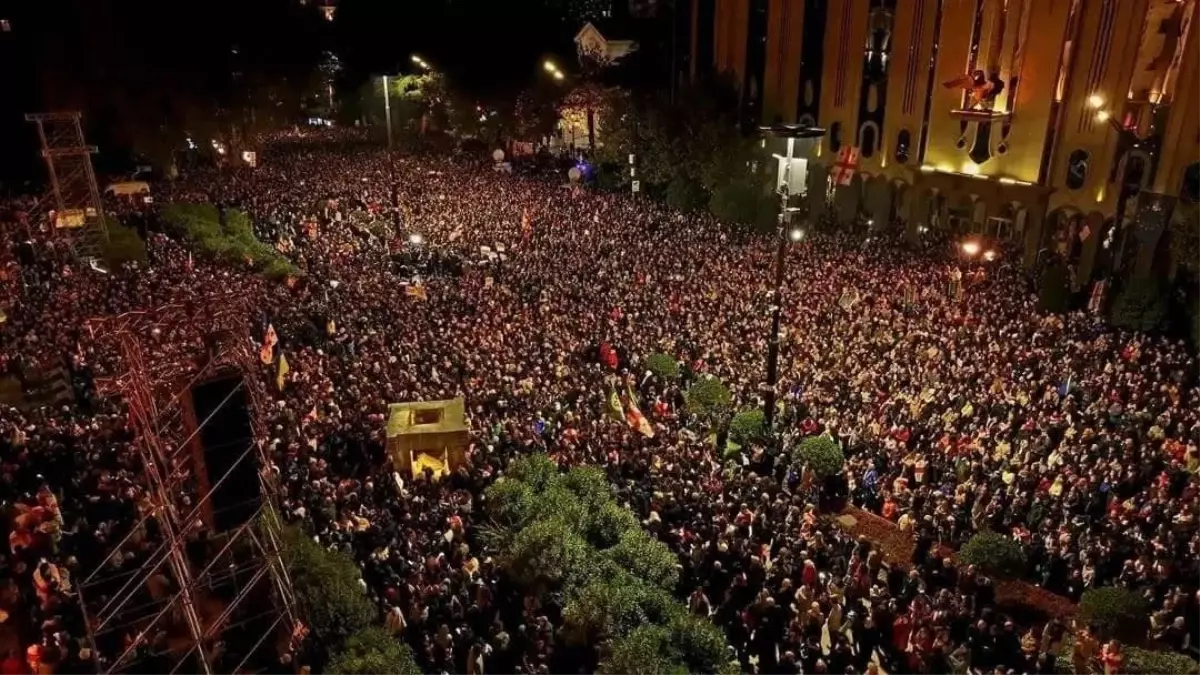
x: 846, y: 165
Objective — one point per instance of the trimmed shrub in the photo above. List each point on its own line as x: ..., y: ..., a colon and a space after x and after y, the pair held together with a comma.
x: 748, y: 426
x: 1118, y: 612
x: 708, y: 397
x: 1138, y: 661
x: 993, y: 554
x: 662, y: 366
x: 821, y: 454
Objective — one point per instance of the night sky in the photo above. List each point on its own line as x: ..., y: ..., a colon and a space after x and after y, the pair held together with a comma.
x: 124, y: 61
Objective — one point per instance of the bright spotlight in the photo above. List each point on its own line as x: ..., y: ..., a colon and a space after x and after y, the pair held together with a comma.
x: 989, y: 255
x: 1103, y: 116
x: 416, y: 239
x: 549, y: 66
x: 1095, y: 101
x: 796, y: 234
x: 558, y: 75
x: 416, y: 59
x: 971, y: 248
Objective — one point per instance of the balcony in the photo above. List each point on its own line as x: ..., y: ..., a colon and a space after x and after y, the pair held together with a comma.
x: 980, y: 114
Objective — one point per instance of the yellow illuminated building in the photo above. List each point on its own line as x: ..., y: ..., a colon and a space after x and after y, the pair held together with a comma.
x: 1022, y: 120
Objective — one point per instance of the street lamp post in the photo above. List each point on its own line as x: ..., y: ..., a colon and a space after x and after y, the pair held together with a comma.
x: 1126, y: 136
x: 387, y: 109
x: 789, y: 167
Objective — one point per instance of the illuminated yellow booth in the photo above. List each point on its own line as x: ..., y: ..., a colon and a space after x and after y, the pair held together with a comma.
x: 427, y: 434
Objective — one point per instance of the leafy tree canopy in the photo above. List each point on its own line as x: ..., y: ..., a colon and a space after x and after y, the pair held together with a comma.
x: 708, y: 397
x: 372, y: 651
x: 821, y: 454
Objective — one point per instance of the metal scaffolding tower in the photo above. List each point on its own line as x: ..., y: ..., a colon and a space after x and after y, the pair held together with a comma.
x: 190, y: 599
x: 72, y: 208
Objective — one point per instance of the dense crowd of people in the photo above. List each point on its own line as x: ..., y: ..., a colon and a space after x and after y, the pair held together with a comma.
x: 958, y: 412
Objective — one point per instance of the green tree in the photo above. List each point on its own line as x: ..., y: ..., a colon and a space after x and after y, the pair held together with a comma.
x: 748, y: 426
x: 372, y: 651
x: 821, y: 454
x: 124, y: 245
x: 686, y: 645
x: 663, y: 366
x: 547, y: 554
x: 993, y: 554
x: 328, y: 593
x: 646, y: 558
x: 609, y: 606
x: 708, y: 398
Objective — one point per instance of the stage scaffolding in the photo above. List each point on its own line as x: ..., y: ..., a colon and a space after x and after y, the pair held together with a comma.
x: 193, y: 592
x: 74, y: 199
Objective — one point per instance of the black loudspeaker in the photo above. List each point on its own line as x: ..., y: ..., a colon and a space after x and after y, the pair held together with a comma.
x: 226, y: 437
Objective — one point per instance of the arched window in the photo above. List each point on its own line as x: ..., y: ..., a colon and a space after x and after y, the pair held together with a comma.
x: 867, y: 138
x: 1077, y: 169
x: 903, y: 142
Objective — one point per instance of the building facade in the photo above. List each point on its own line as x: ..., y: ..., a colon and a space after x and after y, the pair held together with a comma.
x: 1031, y: 121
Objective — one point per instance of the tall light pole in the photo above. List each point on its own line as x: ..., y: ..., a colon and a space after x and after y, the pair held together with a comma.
x: 792, y: 170
x: 1127, y: 138
x: 387, y: 109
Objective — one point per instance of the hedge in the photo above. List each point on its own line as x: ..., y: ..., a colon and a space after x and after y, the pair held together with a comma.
x: 1119, y: 612
x: 1137, y: 661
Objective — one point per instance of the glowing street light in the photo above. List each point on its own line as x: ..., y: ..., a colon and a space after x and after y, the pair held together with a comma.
x: 971, y: 248
x: 1095, y: 101
x: 1103, y: 115
x: 416, y: 239
x: 549, y: 66
x: 796, y: 234
x: 989, y: 255
x: 420, y: 62
x: 558, y: 75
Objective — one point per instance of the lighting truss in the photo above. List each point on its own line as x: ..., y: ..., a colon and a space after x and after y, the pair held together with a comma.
x: 190, y: 590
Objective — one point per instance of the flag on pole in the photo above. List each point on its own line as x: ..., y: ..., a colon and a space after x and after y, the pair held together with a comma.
x: 267, y: 353
x: 845, y: 166
x: 284, y: 369
x: 637, y: 421
x: 612, y: 405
